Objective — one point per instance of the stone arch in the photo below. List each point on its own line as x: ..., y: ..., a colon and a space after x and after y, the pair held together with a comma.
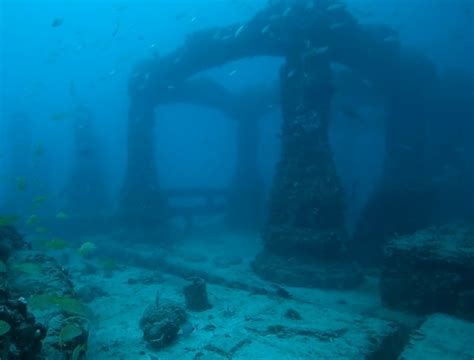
x: 305, y: 222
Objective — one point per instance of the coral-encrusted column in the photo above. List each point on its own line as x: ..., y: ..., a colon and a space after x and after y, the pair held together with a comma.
x: 141, y: 202
x: 305, y: 238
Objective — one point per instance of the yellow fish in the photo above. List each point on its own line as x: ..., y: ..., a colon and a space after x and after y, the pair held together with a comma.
x: 39, y: 150
x: 8, y: 220
x: 39, y: 199
x: 56, y: 244
x: 60, y: 116
x: 41, y: 230
x: 61, y: 216
x: 33, y: 219
x: 87, y: 249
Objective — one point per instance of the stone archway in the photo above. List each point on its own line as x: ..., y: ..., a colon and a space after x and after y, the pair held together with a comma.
x: 306, y: 205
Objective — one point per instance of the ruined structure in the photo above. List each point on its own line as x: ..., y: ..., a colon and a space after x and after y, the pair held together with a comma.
x: 305, y: 240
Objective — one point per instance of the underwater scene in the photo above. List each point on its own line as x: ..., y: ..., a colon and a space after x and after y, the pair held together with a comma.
x: 236, y: 179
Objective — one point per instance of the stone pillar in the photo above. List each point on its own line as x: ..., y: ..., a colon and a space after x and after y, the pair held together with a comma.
x: 141, y: 202
x: 21, y: 174
x: 304, y: 238
x: 405, y: 199
x: 247, y: 200
x: 86, y: 192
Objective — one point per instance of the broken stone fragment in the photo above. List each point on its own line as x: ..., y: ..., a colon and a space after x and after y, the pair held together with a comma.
x: 196, y: 295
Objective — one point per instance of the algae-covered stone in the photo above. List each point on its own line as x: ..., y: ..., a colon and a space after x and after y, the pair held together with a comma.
x: 161, y: 324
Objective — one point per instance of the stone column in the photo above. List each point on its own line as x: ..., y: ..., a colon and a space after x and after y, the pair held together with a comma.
x: 141, y: 202
x: 21, y: 175
x: 304, y: 238
x: 405, y: 199
x: 85, y: 192
x: 247, y: 198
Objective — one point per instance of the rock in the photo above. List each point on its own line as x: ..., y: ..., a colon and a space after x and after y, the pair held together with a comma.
x: 292, y: 314
x: 161, y: 324
x: 35, y: 273
x: 430, y: 271
x: 196, y: 295
x: 66, y: 334
x: 441, y: 337
x: 10, y: 240
x: 23, y: 340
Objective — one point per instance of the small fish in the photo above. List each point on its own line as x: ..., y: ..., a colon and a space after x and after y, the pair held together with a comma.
x: 32, y: 220
x: 180, y: 16
x: 239, y: 31
x: 291, y: 73
x: 85, y: 151
x: 87, y: 249
x: 57, y: 22
x: 21, y: 183
x: 321, y: 50
x: 8, y: 220
x: 390, y: 39
x: 60, y: 116
x: 336, y: 26
x: 265, y: 29
x: 62, y: 216
x: 41, y: 230
x: 39, y: 199
x: 233, y: 72
x: 38, y: 150
x: 349, y: 112
x: 186, y: 329
x: 405, y: 147
x: 116, y: 29
x: 72, y: 89
x: 121, y: 7
x: 334, y: 7
x: 56, y: 244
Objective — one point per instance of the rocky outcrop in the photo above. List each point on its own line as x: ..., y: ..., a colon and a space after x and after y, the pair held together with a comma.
x: 431, y: 271
x: 20, y: 334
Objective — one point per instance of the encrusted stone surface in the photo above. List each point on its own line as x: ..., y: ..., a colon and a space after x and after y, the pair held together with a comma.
x: 431, y: 271
x: 34, y: 273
